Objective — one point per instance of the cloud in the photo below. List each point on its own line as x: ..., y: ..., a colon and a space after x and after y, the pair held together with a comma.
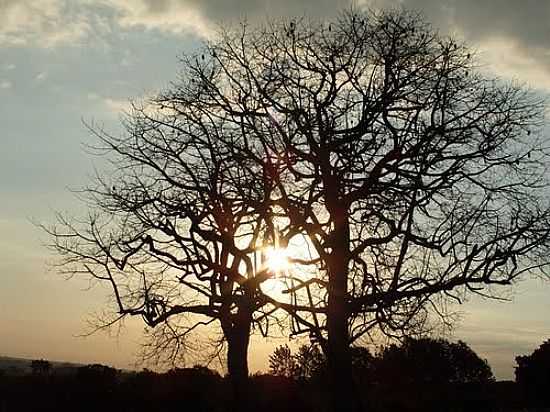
x: 511, y: 35
x: 509, y: 59
x: 254, y: 9
x: 41, y: 76
x: 43, y: 23
x: 117, y: 106
x: 526, y: 22
x: 5, y: 84
x: 164, y: 15
x: 201, y: 17
x: 113, y: 105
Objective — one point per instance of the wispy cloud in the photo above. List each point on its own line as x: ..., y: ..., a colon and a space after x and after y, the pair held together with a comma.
x: 202, y: 17
x: 5, y: 84
x: 113, y: 105
x: 170, y: 16
x: 508, y: 59
x: 117, y: 106
x: 41, y: 76
x: 510, y: 48
x: 44, y: 23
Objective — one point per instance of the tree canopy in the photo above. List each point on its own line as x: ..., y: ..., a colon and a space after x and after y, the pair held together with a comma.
x: 432, y: 361
x: 533, y: 373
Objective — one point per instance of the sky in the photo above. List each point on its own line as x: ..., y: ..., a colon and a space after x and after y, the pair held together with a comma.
x: 64, y: 63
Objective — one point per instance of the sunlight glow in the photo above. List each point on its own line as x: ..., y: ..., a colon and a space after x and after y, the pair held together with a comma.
x: 276, y: 260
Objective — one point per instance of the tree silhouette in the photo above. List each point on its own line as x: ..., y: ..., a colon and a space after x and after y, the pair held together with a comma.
x: 429, y: 374
x: 165, y: 235
x: 179, y: 230
x: 395, y: 173
x: 431, y: 361
x: 533, y: 374
x: 41, y: 367
x: 96, y: 375
x: 283, y: 363
x: 363, y: 364
x: 412, y: 177
x: 310, y: 361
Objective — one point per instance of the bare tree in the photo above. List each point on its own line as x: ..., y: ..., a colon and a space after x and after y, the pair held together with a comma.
x: 412, y: 177
x: 169, y: 232
x: 395, y: 173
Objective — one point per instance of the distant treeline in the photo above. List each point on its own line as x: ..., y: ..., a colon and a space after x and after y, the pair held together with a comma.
x: 419, y: 375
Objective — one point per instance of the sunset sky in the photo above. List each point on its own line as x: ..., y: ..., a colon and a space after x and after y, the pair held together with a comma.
x: 66, y: 62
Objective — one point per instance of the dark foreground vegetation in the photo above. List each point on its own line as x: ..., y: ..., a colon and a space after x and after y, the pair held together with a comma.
x: 420, y: 375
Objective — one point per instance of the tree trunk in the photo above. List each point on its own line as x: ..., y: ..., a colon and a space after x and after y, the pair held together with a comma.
x: 238, y: 339
x: 339, y: 354
x: 344, y: 397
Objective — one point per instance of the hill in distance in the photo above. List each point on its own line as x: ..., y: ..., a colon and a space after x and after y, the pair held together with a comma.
x: 21, y: 366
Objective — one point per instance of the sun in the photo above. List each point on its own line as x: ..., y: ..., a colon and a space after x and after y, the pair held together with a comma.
x: 277, y: 263
x: 276, y: 260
